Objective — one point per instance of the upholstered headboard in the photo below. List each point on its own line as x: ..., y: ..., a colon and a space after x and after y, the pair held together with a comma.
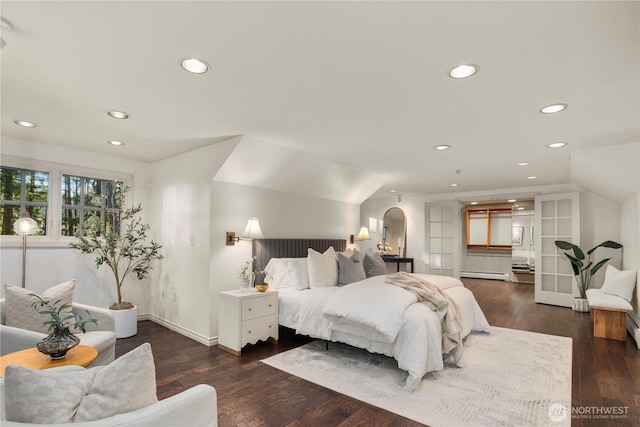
x: 265, y: 249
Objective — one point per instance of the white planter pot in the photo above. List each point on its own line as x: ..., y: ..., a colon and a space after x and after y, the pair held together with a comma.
x: 126, y: 322
x: 581, y: 305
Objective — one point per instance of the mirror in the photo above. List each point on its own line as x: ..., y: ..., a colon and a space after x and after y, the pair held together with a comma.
x: 394, y: 233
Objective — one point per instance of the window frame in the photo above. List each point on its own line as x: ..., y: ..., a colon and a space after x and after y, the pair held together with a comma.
x: 54, y: 237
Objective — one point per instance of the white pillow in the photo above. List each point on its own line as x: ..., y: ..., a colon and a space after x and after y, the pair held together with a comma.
x: 323, y: 268
x: 277, y: 273
x: 620, y: 283
x: 299, y: 273
x: 126, y: 384
x: 44, y: 397
x: 20, y: 313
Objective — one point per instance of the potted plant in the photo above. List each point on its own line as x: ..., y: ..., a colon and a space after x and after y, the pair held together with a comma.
x: 583, y: 268
x: 118, y: 238
x: 248, y: 274
x: 60, y: 340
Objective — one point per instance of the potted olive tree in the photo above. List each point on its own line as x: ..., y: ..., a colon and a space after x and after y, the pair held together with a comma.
x: 584, y: 268
x: 118, y: 238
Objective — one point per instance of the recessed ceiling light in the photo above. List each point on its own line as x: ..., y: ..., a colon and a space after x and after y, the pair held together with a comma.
x: 25, y: 124
x: 392, y: 191
x: 523, y: 164
x: 194, y: 65
x: 474, y: 203
x: 553, y: 108
x: 453, y: 185
x: 441, y: 147
x: 511, y: 200
x: 463, y: 71
x: 117, y: 143
x: 557, y: 144
x: 532, y: 177
x: 118, y: 114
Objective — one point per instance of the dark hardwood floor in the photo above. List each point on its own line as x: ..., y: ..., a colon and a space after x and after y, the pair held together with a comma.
x: 606, y: 373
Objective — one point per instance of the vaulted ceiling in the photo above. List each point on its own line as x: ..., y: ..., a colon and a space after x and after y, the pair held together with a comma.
x: 363, y: 85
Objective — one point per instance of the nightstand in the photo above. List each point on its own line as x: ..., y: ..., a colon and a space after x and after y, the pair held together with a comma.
x: 245, y: 318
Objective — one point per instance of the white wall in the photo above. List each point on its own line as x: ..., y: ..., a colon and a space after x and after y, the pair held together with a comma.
x: 630, y: 238
x: 47, y: 264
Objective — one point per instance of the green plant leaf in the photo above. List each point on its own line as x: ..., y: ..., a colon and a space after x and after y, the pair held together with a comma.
x: 599, y: 265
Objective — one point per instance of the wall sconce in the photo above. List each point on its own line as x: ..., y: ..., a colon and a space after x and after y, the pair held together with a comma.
x: 25, y: 226
x: 251, y: 231
x: 363, y: 234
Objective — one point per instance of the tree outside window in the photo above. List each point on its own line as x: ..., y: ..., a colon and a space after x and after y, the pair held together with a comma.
x: 84, y: 198
x: 23, y: 190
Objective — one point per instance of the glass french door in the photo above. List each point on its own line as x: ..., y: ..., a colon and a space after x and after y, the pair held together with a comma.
x: 557, y: 217
x: 442, y: 240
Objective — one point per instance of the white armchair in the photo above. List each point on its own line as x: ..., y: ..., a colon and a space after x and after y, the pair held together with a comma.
x: 102, y: 337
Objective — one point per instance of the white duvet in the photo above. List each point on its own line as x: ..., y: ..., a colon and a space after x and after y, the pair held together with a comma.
x: 381, y: 318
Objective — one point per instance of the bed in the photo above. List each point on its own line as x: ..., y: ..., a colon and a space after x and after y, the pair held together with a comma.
x: 411, y: 333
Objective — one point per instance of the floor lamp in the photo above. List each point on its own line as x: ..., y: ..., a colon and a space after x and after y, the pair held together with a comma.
x: 24, y: 227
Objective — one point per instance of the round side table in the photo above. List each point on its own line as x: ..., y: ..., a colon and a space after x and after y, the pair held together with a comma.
x: 81, y: 355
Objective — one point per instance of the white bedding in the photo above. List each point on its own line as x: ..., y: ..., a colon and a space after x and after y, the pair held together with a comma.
x: 412, y: 335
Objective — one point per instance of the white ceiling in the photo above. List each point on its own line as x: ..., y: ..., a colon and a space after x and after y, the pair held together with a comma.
x: 360, y: 84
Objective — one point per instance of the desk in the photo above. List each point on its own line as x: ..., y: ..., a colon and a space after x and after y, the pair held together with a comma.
x: 81, y: 355
x: 398, y: 260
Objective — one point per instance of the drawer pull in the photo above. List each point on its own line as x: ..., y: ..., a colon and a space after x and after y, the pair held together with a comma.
x: 270, y: 305
x: 249, y: 308
x: 249, y: 331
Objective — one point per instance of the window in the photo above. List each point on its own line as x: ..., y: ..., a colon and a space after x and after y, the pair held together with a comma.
x: 59, y: 197
x: 83, y: 198
x: 23, y: 190
x: 489, y: 228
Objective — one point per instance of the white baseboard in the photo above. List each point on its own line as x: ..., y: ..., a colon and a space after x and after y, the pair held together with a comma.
x: 485, y: 275
x: 634, y: 329
x: 209, y: 342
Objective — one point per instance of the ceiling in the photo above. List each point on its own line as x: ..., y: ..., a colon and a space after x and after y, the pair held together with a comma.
x: 361, y: 84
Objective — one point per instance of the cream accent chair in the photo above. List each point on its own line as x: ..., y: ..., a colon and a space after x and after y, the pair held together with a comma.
x: 101, y: 337
x: 194, y: 407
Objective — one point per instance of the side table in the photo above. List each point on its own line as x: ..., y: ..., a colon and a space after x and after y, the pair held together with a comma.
x: 81, y: 355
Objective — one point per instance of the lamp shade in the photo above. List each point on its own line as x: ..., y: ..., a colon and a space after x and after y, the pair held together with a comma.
x: 363, y: 234
x: 25, y: 226
x: 252, y: 230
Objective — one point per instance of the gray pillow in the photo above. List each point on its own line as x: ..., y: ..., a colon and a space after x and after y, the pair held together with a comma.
x: 374, y: 265
x: 350, y: 270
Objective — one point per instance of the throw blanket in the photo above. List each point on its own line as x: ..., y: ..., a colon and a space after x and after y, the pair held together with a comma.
x: 438, y: 301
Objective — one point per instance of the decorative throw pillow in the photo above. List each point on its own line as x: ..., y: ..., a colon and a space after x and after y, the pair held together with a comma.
x: 350, y: 270
x: 357, y: 255
x: 19, y: 312
x: 620, y: 283
x: 44, y: 397
x: 374, y: 264
x: 323, y: 268
x: 299, y: 273
x: 124, y: 385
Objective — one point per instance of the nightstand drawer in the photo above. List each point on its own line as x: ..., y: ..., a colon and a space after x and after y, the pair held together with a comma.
x: 258, y: 307
x: 259, y: 329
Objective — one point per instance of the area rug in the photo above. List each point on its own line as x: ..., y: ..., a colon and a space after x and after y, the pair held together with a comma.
x: 511, y: 378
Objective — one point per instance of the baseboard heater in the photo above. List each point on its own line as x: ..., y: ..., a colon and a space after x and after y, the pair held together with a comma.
x: 485, y: 275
